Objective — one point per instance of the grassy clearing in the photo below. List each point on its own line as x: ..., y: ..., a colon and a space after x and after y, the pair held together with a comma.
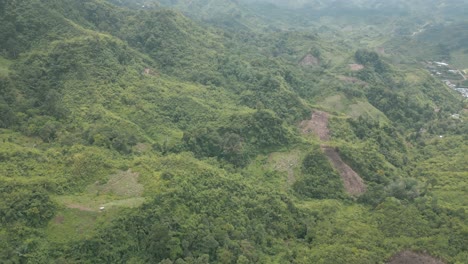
x: 339, y: 103
x: 71, y: 224
x: 80, y: 213
x: 121, y: 190
x: 287, y: 162
x: 122, y: 184
x: 4, y: 65
x: 366, y: 109
x: 129, y: 203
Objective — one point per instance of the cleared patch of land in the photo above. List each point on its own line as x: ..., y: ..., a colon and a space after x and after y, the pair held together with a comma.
x: 336, y: 102
x: 81, y: 207
x: 353, y: 108
x: 123, y: 183
x: 353, y: 183
x: 309, y: 60
x: 356, y: 67
x: 353, y: 80
x: 318, y: 124
x: 71, y: 224
x: 286, y: 162
x: 365, y: 109
x: 100, y: 202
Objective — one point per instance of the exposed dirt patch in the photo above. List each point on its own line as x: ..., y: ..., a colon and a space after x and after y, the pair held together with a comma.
x: 352, y: 80
x: 409, y: 257
x: 380, y: 50
x: 317, y: 124
x: 142, y: 147
x: 309, y: 60
x: 353, y: 183
x: 150, y: 72
x: 58, y: 219
x: 356, y: 67
x: 81, y: 207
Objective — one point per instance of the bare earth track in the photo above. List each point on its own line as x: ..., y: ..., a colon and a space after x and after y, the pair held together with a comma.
x: 80, y: 207
x: 353, y: 183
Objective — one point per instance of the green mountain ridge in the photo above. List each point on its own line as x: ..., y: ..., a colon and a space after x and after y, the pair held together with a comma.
x: 139, y: 135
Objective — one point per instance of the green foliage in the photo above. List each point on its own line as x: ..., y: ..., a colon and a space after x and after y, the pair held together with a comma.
x: 112, y: 138
x: 198, y: 214
x: 242, y: 137
x: 390, y: 142
x: 319, y: 179
x: 170, y: 124
x: 397, y: 219
x: 7, y: 100
x: 370, y: 59
x: 30, y: 207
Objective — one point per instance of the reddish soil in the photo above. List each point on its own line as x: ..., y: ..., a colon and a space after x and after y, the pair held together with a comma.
x: 309, y: 60
x: 353, y: 183
x: 318, y: 124
x: 409, y: 257
x: 356, y: 67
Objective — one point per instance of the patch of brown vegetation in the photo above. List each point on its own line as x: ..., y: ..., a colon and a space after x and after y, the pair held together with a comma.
x: 142, y: 147
x: 380, y: 50
x: 356, y: 67
x: 352, y: 80
x: 150, y: 72
x: 317, y: 124
x: 409, y: 257
x: 58, y: 219
x: 353, y: 183
x: 309, y: 60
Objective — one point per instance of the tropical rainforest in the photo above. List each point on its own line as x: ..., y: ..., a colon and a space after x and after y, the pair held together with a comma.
x: 247, y: 131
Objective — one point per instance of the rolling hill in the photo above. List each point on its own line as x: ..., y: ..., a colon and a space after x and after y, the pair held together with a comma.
x: 198, y: 132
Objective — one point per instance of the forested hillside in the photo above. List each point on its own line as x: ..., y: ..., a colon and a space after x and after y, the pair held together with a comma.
x: 203, y: 132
